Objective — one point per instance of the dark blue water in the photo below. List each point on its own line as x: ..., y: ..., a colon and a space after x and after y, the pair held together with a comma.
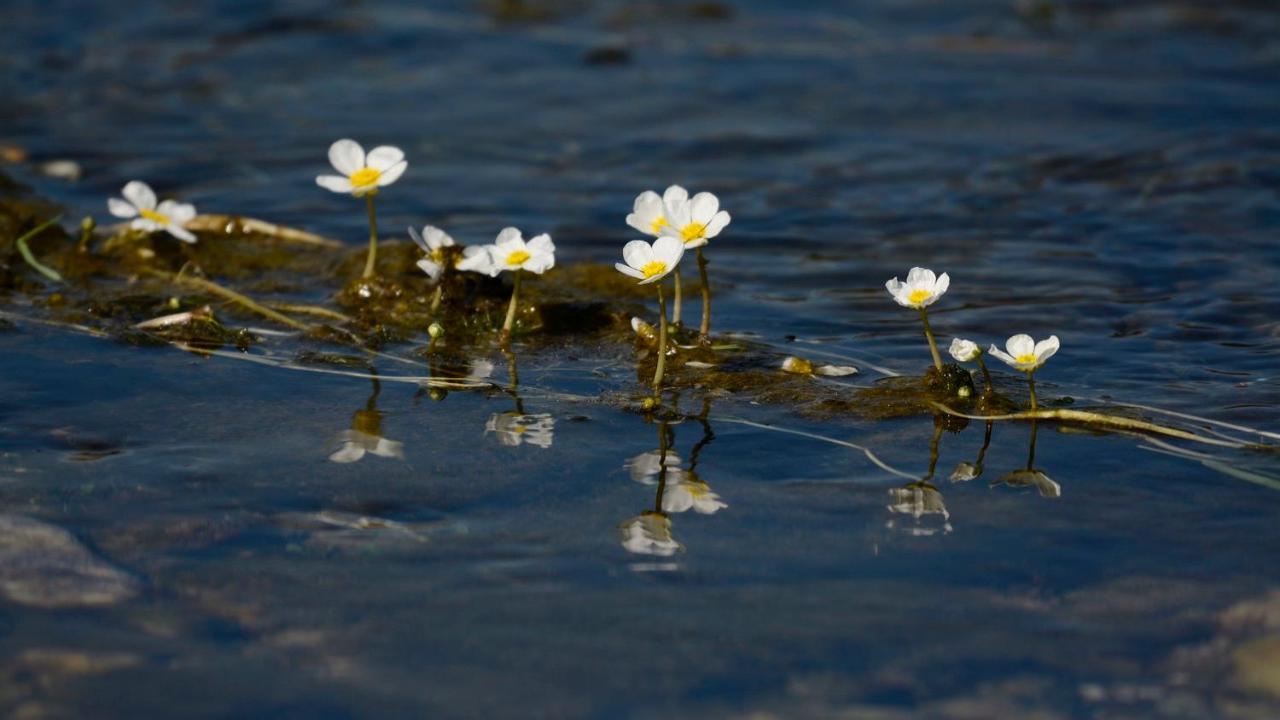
x: 1104, y: 171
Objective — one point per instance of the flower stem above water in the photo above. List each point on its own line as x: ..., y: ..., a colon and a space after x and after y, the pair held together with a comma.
x: 372, y: 258
x: 704, y: 331
x: 510, y: 322
x: 933, y: 345
x: 662, y: 342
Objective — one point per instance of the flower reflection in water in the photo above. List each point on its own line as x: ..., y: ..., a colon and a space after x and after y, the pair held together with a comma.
x: 921, y: 499
x: 965, y: 472
x: 365, y: 435
x: 679, y: 490
x: 1031, y: 476
x: 516, y: 427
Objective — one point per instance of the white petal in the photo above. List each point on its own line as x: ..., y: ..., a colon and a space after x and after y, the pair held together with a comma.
x: 509, y: 239
x: 669, y: 250
x: 940, y: 287
x: 696, y: 243
x: 1004, y: 357
x: 675, y: 195
x: 383, y: 157
x: 436, y: 238
x: 335, y: 183
x: 627, y: 270
x: 703, y: 207
x: 541, y: 244
x: 180, y: 232
x: 638, y: 253
x: 346, y: 156
x: 1046, y: 349
x: 417, y: 240
x: 921, y: 278
x: 392, y: 173
x: 718, y: 223
x: 121, y: 209
x: 835, y: 370
x: 431, y: 268
x: 182, y: 213
x: 539, y: 263
x: 1020, y: 345
x: 140, y: 194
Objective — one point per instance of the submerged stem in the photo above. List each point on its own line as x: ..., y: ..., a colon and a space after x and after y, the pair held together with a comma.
x: 242, y: 300
x: 511, y: 309
x: 986, y: 375
x: 372, y: 258
x: 677, y: 304
x: 662, y: 342
x: 928, y: 334
x: 27, y: 255
x: 704, y: 331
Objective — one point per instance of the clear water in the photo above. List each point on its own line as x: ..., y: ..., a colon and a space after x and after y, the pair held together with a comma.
x: 1108, y: 174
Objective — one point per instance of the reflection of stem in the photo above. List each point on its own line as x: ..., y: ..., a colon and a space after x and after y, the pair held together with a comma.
x: 933, y: 448
x: 986, y: 442
x: 664, y: 433
x: 1031, y: 453
x: 928, y: 334
x: 986, y: 374
x: 372, y: 258
x: 372, y: 402
x: 511, y: 309
x: 678, y: 300
x: 662, y: 342
x: 707, y: 434
x: 704, y: 331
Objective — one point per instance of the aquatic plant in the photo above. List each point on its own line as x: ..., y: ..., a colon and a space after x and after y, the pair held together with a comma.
x: 694, y: 221
x: 362, y: 176
x: 139, y: 206
x: 650, y: 263
x: 921, y: 290
x: 963, y: 351
x: 511, y: 253
x: 1027, y: 355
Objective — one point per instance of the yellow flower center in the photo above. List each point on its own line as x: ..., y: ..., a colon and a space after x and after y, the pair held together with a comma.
x: 918, y: 296
x: 365, y: 177
x: 652, y: 268
x: 518, y: 257
x: 1026, y: 359
x: 155, y: 217
x: 656, y: 226
x: 437, y: 256
x: 693, y: 231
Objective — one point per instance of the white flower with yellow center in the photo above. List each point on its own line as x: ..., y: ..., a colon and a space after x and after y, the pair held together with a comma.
x: 511, y: 252
x: 140, y: 205
x: 694, y: 220
x: 478, y: 259
x: 691, y: 493
x: 362, y: 174
x: 649, y: 534
x: 921, y: 289
x: 964, y: 350
x: 1024, y: 354
x: 649, y: 213
x: 515, y: 429
x: 650, y: 262
x: 433, y: 242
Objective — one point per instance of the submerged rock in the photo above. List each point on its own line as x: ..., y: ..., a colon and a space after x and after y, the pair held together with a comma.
x: 45, y: 566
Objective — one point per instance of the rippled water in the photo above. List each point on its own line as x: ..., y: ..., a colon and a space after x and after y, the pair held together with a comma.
x: 1105, y: 171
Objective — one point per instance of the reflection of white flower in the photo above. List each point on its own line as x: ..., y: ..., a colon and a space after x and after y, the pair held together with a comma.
x: 965, y: 472
x: 917, y: 500
x: 1025, y: 354
x: 921, y: 289
x: 140, y: 204
x: 362, y: 174
x: 694, y: 220
x: 649, y: 534
x: 644, y: 468
x: 690, y: 493
x: 513, y: 428
x: 650, y: 262
x: 356, y: 443
x: 433, y: 242
x: 964, y: 350
x: 1031, y: 478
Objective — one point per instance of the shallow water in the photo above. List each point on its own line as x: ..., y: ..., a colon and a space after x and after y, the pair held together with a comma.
x: 1107, y: 172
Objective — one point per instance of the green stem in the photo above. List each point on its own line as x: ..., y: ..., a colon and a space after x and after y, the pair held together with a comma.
x: 435, y: 299
x: 511, y: 309
x: 1031, y: 381
x: 372, y: 258
x: 986, y: 374
x: 704, y: 331
x: 928, y: 334
x: 662, y: 342
x: 216, y: 289
x: 677, y: 303
x: 29, y: 257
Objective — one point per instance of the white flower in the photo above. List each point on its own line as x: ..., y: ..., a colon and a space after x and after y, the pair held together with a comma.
x: 433, y: 242
x: 362, y: 174
x: 691, y: 493
x: 692, y: 220
x: 920, y: 290
x: 511, y: 252
x: 650, y: 212
x: 964, y: 350
x: 644, y: 468
x: 478, y: 258
x: 1026, y: 354
x: 649, y: 534
x: 356, y: 443
x: 514, y: 428
x: 171, y: 216
x: 650, y: 262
